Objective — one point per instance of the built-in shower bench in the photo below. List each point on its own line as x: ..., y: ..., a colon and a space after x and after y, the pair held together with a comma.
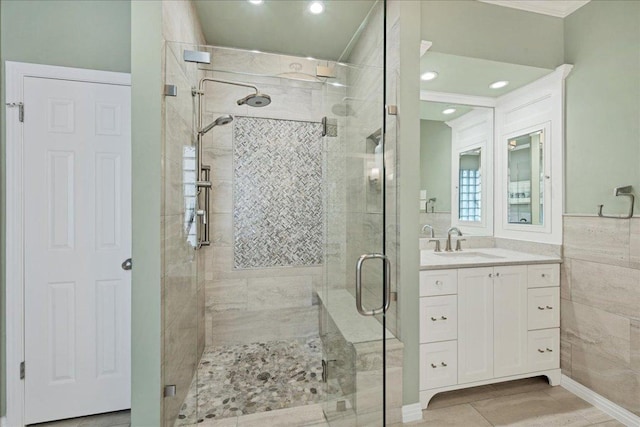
x: 353, y: 356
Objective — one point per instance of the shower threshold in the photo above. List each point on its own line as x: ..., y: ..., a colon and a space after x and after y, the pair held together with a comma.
x: 241, y: 379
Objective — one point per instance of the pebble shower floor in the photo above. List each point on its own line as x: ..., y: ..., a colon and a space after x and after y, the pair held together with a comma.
x: 244, y: 379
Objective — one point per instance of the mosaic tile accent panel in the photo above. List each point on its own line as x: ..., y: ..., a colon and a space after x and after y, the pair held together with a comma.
x: 277, y: 187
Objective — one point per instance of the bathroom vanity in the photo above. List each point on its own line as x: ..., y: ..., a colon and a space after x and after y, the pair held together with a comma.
x: 486, y: 316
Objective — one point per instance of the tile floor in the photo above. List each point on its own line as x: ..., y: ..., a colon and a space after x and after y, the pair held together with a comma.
x: 112, y: 419
x: 527, y: 403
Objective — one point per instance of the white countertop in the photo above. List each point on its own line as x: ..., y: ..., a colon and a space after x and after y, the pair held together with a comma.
x: 480, y: 257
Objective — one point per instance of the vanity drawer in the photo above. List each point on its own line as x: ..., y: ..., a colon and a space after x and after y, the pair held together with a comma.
x: 438, y: 282
x: 544, y: 349
x: 438, y: 318
x: 438, y: 364
x: 543, y: 308
x: 543, y: 275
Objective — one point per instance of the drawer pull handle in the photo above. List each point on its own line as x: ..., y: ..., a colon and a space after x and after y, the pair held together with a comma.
x: 540, y: 351
x: 540, y: 308
x: 433, y: 366
x: 549, y: 350
x: 444, y: 364
x: 544, y: 275
x: 434, y: 319
x: 549, y: 307
x: 438, y: 282
x: 443, y: 318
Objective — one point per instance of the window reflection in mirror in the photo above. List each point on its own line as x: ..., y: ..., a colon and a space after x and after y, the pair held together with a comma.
x: 469, y: 186
x: 526, y: 179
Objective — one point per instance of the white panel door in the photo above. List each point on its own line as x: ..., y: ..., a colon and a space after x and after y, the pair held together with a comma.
x: 475, y: 324
x: 510, y: 320
x: 77, y: 200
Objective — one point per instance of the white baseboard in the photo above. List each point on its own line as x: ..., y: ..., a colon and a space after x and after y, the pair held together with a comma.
x: 605, y: 405
x: 412, y: 412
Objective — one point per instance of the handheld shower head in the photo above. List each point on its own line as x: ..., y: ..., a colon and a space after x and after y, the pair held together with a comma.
x: 220, y: 121
x: 256, y: 100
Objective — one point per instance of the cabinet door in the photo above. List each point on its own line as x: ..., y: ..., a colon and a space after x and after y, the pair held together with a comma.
x: 475, y: 324
x: 510, y: 320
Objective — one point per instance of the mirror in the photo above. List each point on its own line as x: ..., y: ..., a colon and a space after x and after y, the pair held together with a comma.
x: 525, y: 177
x: 470, y: 186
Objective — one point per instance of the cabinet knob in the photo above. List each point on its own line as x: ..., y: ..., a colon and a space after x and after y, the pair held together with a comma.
x: 443, y: 318
x: 549, y: 307
x: 540, y: 308
x: 497, y: 274
x: 443, y: 364
x: 434, y: 319
x: 433, y: 366
x: 438, y: 282
x: 544, y: 275
x: 490, y: 275
x: 540, y: 350
x: 549, y: 350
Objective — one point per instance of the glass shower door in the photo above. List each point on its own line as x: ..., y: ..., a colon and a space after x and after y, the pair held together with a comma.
x: 357, y: 308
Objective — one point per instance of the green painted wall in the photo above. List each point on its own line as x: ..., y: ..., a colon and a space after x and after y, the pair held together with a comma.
x: 481, y: 30
x: 602, y: 40
x: 408, y: 95
x: 83, y: 34
x: 435, y: 162
x: 146, y: 139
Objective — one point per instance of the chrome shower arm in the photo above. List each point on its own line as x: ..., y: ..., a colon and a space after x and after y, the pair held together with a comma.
x: 226, y: 82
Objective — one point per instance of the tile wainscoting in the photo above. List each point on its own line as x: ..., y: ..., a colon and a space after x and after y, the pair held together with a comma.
x: 600, y: 291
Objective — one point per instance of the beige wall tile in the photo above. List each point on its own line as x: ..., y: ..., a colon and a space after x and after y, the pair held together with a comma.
x: 615, y: 382
x: 596, y: 331
x: 230, y: 294
x: 565, y: 279
x: 635, y: 345
x: 221, y: 196
x: 634, y: 249
x: 264, y: 325
x: 565, y: 356
x: 221, y: 229
x: 597, y: 239
x: 610, y: 288
x: 279, y: 292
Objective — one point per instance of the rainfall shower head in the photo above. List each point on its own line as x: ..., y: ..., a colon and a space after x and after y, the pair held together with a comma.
x: 255, y: 100
x: 220, y: 121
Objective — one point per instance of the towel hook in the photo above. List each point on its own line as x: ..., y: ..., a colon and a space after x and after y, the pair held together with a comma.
x: 620, y: 191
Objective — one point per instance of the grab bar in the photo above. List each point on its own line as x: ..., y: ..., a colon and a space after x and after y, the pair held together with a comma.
x: 386, y: 285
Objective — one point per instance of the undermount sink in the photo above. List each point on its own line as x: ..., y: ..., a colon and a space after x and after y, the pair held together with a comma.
x: 465, y: 254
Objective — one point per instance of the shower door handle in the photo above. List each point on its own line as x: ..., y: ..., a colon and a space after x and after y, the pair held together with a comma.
x: 386, y: 284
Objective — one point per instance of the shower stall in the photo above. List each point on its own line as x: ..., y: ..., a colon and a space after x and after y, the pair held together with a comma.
x: 278, y: 178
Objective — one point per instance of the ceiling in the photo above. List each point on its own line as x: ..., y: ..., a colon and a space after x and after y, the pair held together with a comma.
x: 557, y: 8
x: 283, y: 26
x: 472, y: 76
x: 433, y: 111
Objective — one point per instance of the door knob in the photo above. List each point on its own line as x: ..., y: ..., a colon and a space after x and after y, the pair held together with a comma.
x: 127, y: 264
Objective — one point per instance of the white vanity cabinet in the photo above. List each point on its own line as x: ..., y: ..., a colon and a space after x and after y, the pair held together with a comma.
x: 483, y: 325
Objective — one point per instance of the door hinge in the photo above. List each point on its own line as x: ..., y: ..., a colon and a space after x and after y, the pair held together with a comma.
x: 21, y: 370
x: 20, y: 107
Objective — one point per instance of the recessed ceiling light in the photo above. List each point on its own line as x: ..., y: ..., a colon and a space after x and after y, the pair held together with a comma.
x: 429, y: 75
x: 449, y: 111
x: 256, y: 1
x: 316, y: 7
x: 499, y: 84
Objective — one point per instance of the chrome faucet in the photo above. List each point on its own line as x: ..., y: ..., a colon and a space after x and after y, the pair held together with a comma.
x: 449, y: 231
x: 427, y: 226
